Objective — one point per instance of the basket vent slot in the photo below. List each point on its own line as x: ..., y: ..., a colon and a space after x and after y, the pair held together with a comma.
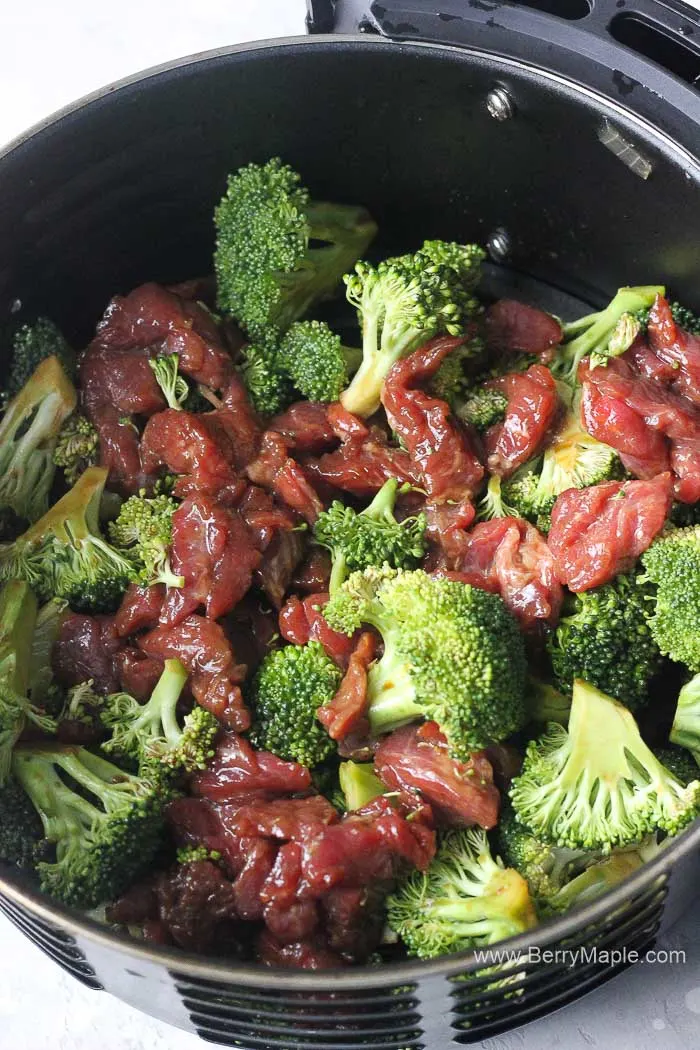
x: 59, y: 946
x: 489, y: 1004
x: 677, y: 55
x: 262, y: 1019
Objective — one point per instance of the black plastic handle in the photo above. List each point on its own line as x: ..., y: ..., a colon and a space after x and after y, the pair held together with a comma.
x: 320, y: 16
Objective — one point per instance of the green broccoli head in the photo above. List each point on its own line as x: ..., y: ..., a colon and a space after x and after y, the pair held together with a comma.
x: 598, y: 785
x: 105, y: 827
x: 18, y: 616
x: 63, y: 555
x: 605, y: 639
x: 21, y: 831
x: 29, y: 431
x: 685, y: 731
x: 32, y: 344
x: 452, y: 654
x: 77, y: 447
x: 482, y: 408
x: 402, y: 303
x: 591, y: 336
x: 174, y: 386
x: 316, y: 361
x: 372, y: 537
x: 151, y: 732
x: 672, y: 566
x: 142, y: 533
x: 269, y: 387
x: 289, y: 687
x: 277, y: 251
x: 679, y: 762
x: 465, y: 899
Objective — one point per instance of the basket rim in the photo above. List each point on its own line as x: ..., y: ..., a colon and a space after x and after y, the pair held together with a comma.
x: 184, y: 965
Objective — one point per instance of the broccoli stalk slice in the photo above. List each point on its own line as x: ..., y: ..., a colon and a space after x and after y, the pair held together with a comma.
x: 152, y: 731
x: 465, y: 670
x: 464, y: 900
x: 591, y: 335
x: 29, y: 431
x: 359, y: 784
x: 174, y: 386
x: 104, y: 835
x: 594, y: 880
x: 18, y: 615
x: 77, y: 447
x: 598, y: 785
x: 277, y: 251
x: 142, y: 533
x: 685, y: 731
x: 372, y: 537
x: 65, y: 556
x: 316, y: 361
x: 402, y: 303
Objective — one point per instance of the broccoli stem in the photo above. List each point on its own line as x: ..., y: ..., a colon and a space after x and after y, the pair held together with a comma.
x: 389, y: 684
x: 685, y: 731
x: 359, y: 784
x: 160, y: 713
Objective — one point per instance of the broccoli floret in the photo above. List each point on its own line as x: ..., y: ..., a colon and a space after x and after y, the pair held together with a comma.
x: 402, y: 303
x: 82, y: 704
x: 590, y: 336
x: 151, y: 732
x: 684, y: 514
x: 77, y: 447
x: 604, y: 638
x: 672, y: 565
x: 493, y: 503
x: 18, y: 614
x: 598, y: 785
x: 20, y: 828
x: 452, y: 653
x: 194, y: 854
x: 63, y: 554
x: 684, y: 318
x: 316, y: 361
x: 289, y: 687
x: 46, y: 631
x: 277, y: 251
x: 546, y: 868
x: 685, y: 731
x: 32, y: 344
x: 545, y: 703
x: 574, y: 459
x: 679, y: 762
x: 174, y: 386
x: 28, y: 434
x: 269, y: 387
x: 466, y: 899
x: 359, y: 784
x: 452, y: 381
x: 372, y: 537
x: 142, y: 533
x: 482, y: 408
x: 105, y: 829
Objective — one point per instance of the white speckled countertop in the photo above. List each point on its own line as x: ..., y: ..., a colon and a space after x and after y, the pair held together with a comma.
x: 52, y: 54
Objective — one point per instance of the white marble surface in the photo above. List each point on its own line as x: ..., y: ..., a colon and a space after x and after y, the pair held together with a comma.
x: 53, y: 53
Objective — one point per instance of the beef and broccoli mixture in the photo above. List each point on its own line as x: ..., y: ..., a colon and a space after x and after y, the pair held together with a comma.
x: 316, y: 654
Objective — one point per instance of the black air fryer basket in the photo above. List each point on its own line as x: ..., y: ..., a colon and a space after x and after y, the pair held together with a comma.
x: 563, y: 134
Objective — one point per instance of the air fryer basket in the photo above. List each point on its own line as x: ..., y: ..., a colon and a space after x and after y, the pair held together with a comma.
x: 574, y: 189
